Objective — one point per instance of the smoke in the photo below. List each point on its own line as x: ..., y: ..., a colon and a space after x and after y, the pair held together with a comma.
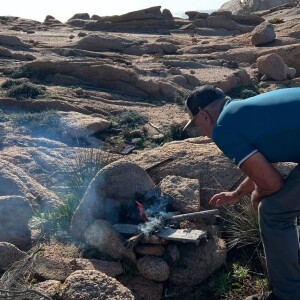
x: 157, y: 216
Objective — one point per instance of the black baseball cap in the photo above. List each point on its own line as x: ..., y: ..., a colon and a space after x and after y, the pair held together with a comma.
x: 199, y: 98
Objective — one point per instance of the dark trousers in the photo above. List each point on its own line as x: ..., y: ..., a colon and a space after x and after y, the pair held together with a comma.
x: 277, y: 215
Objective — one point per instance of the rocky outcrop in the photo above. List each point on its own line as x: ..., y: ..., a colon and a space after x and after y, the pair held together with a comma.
x: 224, y: 21
x: 108, y: 75
x: 145, y: 20
x: 86, y: 285
x: 12, y: 41
x: 15, y: 181
x: 236, y: 7
x: 102, y: 42
x: 113, y: 189
x: 15, y: 212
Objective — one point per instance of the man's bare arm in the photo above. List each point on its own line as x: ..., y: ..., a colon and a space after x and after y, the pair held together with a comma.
x: 262, y: 180
x: 266, y: 178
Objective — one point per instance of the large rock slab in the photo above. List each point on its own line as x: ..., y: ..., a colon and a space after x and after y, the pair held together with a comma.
x: 149, y: 19
x: 223, y: 21
x: 15, y: 213
x: 15, y: 181
x: 86, y: 285
x: 12, y: 41
x: 80, y: 126
x: 236, y: 7
x: 105, y: 42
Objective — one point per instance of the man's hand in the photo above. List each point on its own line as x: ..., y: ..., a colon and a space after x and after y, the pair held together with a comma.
x: 225, y: 198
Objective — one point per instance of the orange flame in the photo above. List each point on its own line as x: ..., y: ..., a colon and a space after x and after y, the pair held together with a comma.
x: 142, y: 212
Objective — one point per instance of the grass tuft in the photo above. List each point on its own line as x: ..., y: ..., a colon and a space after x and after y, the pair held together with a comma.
x: 276, y: 21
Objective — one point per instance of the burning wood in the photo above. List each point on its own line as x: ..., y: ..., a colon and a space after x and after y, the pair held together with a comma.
x: 160, y: 229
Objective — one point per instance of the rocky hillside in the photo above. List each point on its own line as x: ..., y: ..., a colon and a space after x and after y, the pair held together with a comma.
x: 76, y: 96
x: 252, y: 6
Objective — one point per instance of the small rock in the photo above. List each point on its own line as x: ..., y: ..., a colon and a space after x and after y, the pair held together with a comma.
x: 174, y: 71
x: 158, y: 137
x: 91, y: 284
x: 153, y: 268
x: 263, y: 34
x: 137, y: 141
x: 290, y: 72
x: 81, y: 34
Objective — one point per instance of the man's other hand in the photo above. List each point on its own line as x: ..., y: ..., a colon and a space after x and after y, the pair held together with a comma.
x: 225, y: 198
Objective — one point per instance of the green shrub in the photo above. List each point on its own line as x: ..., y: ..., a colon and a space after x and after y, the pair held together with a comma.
x: 76, y: 177
x: 130, y: 119
x: 83, y: 168
x: 12, y: 82
x: 243, y: 92
x: 25, y: 91
x: 276, y: 21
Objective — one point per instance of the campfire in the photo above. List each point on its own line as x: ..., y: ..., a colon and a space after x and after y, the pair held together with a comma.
x: 155, y: 220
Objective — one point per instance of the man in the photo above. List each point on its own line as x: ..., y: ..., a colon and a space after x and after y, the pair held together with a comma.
x: 254, y: 133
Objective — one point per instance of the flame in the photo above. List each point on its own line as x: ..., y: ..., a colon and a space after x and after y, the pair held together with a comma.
x: 142, y: 212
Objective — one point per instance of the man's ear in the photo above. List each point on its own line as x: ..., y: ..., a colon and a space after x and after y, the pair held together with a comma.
x: 205, y: 115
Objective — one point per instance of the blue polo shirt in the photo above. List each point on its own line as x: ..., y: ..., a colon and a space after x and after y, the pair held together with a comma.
x: 268, y: 123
